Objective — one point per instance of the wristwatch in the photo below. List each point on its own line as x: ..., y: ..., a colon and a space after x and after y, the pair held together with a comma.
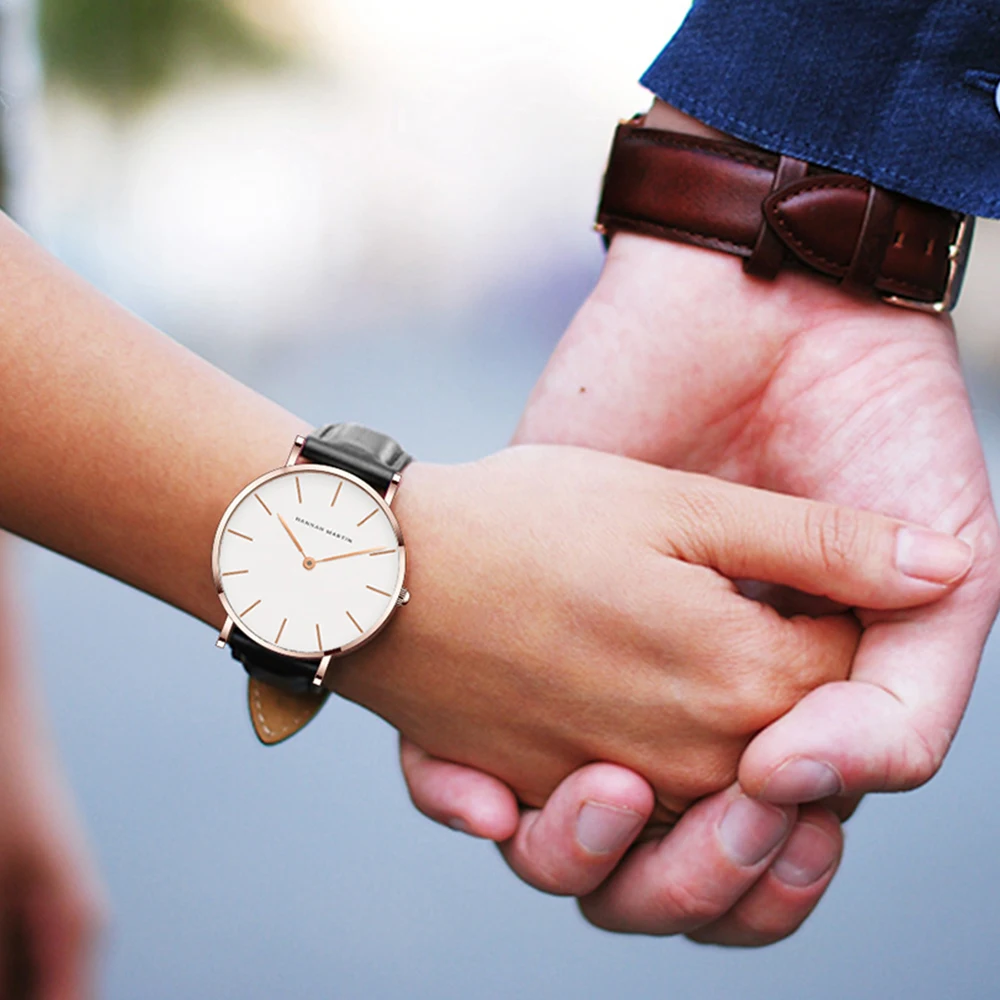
x: 309, y: 564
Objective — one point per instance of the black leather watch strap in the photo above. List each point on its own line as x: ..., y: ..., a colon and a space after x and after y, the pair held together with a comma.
x: 285, y: 672
x: 373, y: 457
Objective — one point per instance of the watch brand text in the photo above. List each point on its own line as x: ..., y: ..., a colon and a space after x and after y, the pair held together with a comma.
x: 326, y: 531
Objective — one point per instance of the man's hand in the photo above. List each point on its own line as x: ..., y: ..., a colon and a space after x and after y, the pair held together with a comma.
x: 678, y: 358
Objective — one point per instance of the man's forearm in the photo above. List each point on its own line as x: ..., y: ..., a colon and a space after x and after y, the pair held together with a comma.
x: 119, y: 447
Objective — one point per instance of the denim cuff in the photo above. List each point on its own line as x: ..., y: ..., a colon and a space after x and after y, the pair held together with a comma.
x: 901, y: 92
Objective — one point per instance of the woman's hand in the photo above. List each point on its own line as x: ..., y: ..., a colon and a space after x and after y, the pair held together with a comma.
x: 570, y: 606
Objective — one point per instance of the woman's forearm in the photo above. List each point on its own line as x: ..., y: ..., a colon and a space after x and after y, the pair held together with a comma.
x: 119, y: 447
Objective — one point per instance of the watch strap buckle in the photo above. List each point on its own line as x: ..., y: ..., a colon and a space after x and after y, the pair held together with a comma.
x: 958, y: 260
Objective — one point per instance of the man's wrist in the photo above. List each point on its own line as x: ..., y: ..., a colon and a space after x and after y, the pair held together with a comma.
x: 666, y: 117
x: 671, y: 177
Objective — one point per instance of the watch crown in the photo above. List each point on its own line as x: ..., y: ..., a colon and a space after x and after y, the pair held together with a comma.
x: 404, y: 597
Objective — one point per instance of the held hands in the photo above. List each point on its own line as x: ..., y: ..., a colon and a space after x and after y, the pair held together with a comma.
x: 576, y: 606
x: 792, y: 386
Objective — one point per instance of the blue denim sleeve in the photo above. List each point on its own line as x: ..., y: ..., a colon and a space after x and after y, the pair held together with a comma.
x: 901, y: 92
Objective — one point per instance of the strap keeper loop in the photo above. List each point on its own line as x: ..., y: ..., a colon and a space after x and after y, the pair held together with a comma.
x: 769, y: 252
x: 876, y: 234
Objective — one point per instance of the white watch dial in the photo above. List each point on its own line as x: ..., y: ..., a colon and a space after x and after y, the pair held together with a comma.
x: 308, y: 561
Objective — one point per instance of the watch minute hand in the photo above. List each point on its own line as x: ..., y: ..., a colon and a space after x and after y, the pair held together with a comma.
x: 360, y: 552
x: 295, y: 541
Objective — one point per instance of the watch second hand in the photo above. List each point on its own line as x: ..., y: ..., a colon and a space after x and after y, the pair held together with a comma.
x: 360, y: 552
x: 295, y: 541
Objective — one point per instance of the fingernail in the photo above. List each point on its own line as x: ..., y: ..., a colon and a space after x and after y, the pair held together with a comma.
x: 604, y: 829
x: 750, y: 830
x: 802, y: 780
x: 807, y: 857
x: 931, y: 556
x: 459, y: 824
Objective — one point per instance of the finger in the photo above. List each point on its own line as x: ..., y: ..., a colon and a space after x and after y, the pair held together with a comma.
x: 850, y: 556
x: 715, y: 854
x: 571, y: 845
x: 890, y: 727
x: 63, y: 918
x: 774, y: 662
x: 788, y: 892
x: 67, y: 961
x: 811, y: 651
x: 457, y: 796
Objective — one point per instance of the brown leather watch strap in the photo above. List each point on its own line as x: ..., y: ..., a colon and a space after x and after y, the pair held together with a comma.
x: 773, y: 210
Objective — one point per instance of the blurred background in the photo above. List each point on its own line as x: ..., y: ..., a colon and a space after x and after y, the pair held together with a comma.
x: 380, y: 210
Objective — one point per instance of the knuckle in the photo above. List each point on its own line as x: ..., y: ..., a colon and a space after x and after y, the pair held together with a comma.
x: 698, y: 515
x: 922, y: 759
x: 696, y: 774
x: 543, y: 866
x: 549, y: 878
x: 683, y: 908
x: 761, y: 693
x: 834, y: 534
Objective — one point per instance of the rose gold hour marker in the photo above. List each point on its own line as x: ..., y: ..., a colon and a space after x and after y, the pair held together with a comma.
x: 382, y: 552
x: 353, y: 619
x: 298, y: 488
x: 377, y: 591
x: 319, y: 638
x: 236, y: 572
x: 264, y: 505
x: 239, y: 534
x: 277, y: 638
x: 340, y: 486
x: 248, y: 610
x: 367, y: 517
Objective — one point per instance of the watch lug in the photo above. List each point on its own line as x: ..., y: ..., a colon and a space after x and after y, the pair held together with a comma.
x: 293, y: 455
x: 321, y: 671
x: 224, y: 634
x: 391, y: 491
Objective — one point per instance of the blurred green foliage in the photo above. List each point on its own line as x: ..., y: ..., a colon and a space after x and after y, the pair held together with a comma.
x: 123, y: 51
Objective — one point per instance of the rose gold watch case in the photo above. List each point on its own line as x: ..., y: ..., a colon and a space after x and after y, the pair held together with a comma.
x: 397, y: 592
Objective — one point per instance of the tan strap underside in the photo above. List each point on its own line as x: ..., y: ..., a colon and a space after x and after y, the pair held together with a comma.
x: 276, y: 714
